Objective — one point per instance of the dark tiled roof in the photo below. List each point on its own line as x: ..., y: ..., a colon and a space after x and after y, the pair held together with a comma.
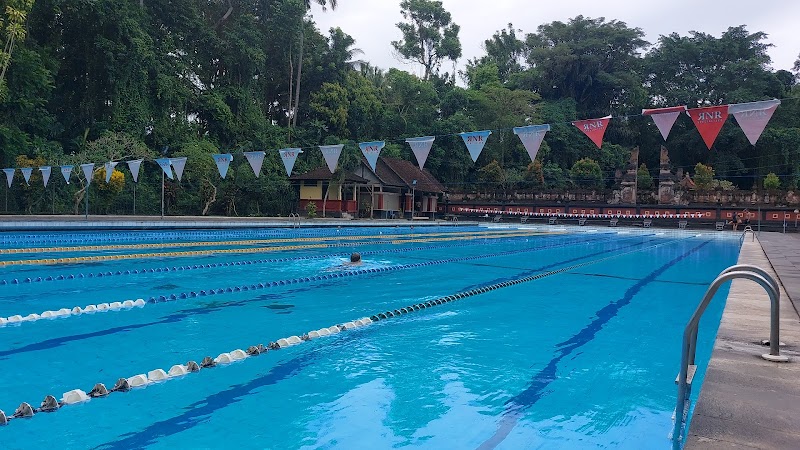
x: 407, y: 172
x: 323, y: 173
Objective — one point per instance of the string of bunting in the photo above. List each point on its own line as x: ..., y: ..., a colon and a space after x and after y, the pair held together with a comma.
x: 751, y: 117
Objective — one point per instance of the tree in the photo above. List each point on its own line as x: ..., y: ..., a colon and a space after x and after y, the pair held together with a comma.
x: 703, y: 176
x: 429, y: 36
x: 591, y: 60
x: 772, y: 182
x: 586, y: 173
x: 534, y: 173
x: 12, y: 29
x: 505, y: 51
x: 643, y: 178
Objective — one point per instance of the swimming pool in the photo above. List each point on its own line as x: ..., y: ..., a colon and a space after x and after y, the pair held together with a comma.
x: 565, y: 339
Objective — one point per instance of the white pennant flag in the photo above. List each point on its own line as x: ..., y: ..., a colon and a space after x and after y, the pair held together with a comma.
x: 26, y: 173
x: 256, y: 160
x: 475, y: 141
x: 331, y: 154
x: 134, y: 166
x: 371, y: 151
x: 421, y: 146
x: 88, y: 168
x: 178, y: 164
x: 289, y: 156
x: 45, y: 174
x: 223, y: 161
x: 109, y: 168
x: 753, y: 117
x: 66, y: 171
x: 531, y: 137
x: 664, y: 118
x: 165, y: 166
x: 9, y: 176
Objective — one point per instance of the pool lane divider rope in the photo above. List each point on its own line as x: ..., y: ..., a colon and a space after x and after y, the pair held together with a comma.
x: 80, y: 259
x: 377, y: 237
x: 99, y: 390
x: 479, y: 241
x: 128, y: 304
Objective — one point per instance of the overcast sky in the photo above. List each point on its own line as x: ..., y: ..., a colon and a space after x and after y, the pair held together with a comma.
x: 372, y: 22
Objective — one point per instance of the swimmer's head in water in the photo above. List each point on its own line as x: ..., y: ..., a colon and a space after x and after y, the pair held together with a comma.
x: 355, y: 257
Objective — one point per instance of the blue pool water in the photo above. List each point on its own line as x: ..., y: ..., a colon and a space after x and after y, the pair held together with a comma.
x: 584, y: 357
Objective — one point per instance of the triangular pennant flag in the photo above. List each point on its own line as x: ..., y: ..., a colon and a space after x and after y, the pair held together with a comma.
x: 45, y: 174
x: 178, y: 164
x: 371, y: 151
x: 664, y: 118
x: 475, y: 141
x: 9, y: 176
x: 421, y: 146
x: 256, y: 160
x: 66, y: 171
x: 223, y: 161
x: 26, y: 173
x: 709, y: 121
x: 88, y: 168
x: 166, y: 166
x: 134, y: 168
x: 289, y: 156
x: 753, y: 117
x: 331, y: 154
x: 531, y: 137
x: 109, y: 168
x: 594, y: 129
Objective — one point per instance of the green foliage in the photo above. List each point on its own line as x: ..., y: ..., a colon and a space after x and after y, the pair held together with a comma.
x: 311, y: 210
x: 586, y: 173
x: 643, y: 178
x: 429, y: 36
x: 703, y: 176
x: 771, y: 181
x: 102, y: 80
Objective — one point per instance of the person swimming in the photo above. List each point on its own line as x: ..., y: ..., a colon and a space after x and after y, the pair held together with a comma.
x: 355, y: 258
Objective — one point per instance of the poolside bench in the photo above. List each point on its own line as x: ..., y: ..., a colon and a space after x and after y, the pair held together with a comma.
x: 682, y: 224
x: 647, y: 223
x: 582, y: 221
x: 613, y: 222
x: 552, y: 220
x: 719, y: 226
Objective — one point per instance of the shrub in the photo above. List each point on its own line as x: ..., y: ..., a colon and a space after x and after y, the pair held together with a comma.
x: 586, y: 173
x: 311, y: 210
x: 771, y: 181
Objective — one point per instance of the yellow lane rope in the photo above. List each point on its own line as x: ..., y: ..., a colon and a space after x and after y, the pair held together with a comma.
x: 217, y: 243
x: 82, y: 259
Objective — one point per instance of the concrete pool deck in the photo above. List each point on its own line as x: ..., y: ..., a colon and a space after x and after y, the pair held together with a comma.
x: 747, y: 402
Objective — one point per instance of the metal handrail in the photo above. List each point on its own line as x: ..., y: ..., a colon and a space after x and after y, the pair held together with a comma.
x: 295, y: 219
x: 689, y: 346
x: 744, y: 233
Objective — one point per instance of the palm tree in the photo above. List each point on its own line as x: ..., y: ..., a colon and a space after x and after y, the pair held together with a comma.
x: 293, y: 107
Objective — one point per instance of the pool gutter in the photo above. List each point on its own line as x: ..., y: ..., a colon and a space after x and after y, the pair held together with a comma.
x: 745, y: 401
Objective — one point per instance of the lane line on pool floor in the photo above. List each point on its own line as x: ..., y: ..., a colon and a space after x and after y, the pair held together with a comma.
x: 51, y: 404
x: 129, y: 304
x: 102, y: 274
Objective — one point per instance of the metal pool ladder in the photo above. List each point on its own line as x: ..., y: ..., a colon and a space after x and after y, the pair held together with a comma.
x: 295, y: 217
x: 747, y: 229
x: 689, y: 348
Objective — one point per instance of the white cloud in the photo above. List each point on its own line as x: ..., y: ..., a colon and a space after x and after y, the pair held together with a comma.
x: 372, y: 22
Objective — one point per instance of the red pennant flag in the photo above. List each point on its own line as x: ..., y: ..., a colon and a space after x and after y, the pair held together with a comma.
x: 595, y: 129
x: 709, y: 121
x: 664, y: 118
